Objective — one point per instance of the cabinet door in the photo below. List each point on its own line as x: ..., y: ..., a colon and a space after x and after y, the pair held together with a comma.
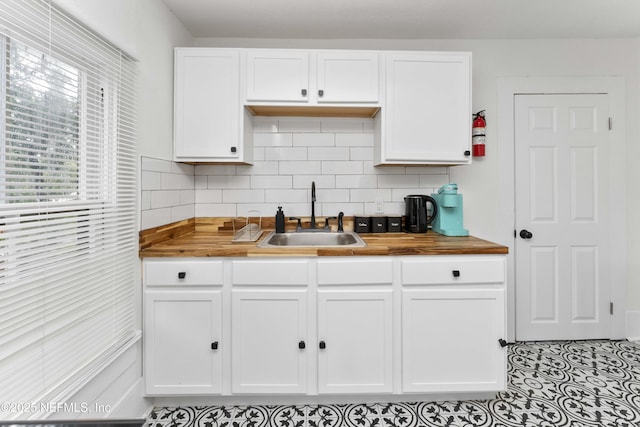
x: 347, y: 77
x: 355, y: 343
x: 450, y: 340
x: 182, y: 342
x: 277, y: 75
x: 269, y: 348
x: 207, y: 118
x: 427, y: 109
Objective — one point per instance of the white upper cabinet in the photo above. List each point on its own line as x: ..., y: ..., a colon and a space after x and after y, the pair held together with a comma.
x: 426, y: 116
x: 278, y: 75
x: 312, y: 77
x: 209, y: 122
x: 347, y: 77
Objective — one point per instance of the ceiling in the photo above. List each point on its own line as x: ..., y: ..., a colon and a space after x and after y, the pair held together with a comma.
x: 409, y: 19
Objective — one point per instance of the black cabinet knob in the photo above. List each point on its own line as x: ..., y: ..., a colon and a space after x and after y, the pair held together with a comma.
x: 304, y: 92
x: 214, y: 345
x: 321, y: 93
x: 456, y: 273
x: 182, y: 274
x: 467, y: 153
x: 525, y: 234
x: 302, y: 345
x: 234, y: 149
x: 502, y: 342
x: 322, y: 345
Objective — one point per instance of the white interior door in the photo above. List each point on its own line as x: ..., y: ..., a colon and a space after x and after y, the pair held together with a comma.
x: 562, y: 242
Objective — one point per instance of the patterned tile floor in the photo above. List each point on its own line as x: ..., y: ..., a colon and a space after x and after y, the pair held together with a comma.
x: 569, y: 383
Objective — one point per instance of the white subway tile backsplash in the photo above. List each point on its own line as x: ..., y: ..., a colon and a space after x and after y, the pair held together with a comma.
x: 289, y: 154
x: 215, y: 209
x: 174, y: 181
x: 356, y: 181
x: 341, y: 167
x: 285, y: 153
x: 259, y: 168
x: 272, y: 140
x: 155, y: 218
x: 206, y: 170
x: 208, y: 196
x: 155, y: 165
x: 233, y: 181
x: 361, y: 153
x: 322, y: 181
x: 314, y: 140
x: 272, y: 181
x: 354, y: 139
x: 165, y: 199
x: 298, y: 124
x: 265, y: 125
x: 289, y: 196
x: 242, y: 196
x: 145, y: 200
x: 300, y: 167
x: 201, y: 182
x: 150, y: 180
x: 333, y: 195
x: 328, y: 153
x: 370, y: 195
x: 180, y: 213
x: 342, y: 125
x: 394, y: 181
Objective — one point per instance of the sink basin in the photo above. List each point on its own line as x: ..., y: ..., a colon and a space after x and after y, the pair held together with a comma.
x: 314, y: 239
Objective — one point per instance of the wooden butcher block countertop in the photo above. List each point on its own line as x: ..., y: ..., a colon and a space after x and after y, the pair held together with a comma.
x: 212, y: 237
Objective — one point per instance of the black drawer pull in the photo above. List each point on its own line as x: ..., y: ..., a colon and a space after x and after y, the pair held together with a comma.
x: 182, y: 275
x: 456, y: 273
x: 214, y: 345
x: 302, y: 345
x: 322, y: 345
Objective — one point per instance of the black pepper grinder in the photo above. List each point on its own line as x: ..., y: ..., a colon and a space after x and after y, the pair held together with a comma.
x: 280, y: 220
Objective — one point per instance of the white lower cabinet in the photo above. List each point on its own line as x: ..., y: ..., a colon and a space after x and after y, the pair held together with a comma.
x: 269, y: 341
x: 182, y: 340
x: 354, y: 341
x: 326, y: 325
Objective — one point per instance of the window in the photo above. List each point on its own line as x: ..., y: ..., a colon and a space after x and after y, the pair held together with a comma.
x: 68, y: 237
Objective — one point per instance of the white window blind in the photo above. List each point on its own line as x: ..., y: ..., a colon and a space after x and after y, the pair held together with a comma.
x: 68, y: 238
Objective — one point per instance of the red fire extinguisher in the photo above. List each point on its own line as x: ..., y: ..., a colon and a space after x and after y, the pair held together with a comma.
x: 478, y: 134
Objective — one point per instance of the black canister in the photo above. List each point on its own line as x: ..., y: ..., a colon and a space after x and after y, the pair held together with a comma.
x: 361, y: 224
x: 394, y: 224
x: 378, y: 224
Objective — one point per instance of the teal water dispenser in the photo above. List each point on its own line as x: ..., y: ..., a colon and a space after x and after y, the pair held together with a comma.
x: 449, y: 219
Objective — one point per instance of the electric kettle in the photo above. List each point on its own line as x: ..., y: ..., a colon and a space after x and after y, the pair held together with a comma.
x: 417, y: 216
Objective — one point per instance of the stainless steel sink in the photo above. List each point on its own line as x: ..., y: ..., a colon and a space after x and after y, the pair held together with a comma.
x: 316, y: 239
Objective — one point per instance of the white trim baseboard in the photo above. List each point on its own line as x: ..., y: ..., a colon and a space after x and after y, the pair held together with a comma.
x: 633, y: 325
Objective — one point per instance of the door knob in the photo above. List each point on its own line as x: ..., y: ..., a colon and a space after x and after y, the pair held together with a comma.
x: 525, y: 234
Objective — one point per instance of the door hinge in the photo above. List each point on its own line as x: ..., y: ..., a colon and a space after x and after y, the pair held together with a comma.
x: 610, y: 123
x: 611, y: 308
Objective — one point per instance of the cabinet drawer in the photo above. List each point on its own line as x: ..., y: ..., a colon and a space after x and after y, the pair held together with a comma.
x: 183, y: 272
x: 353, y: 272
x: 452, y: 270
x: 270, y: 272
